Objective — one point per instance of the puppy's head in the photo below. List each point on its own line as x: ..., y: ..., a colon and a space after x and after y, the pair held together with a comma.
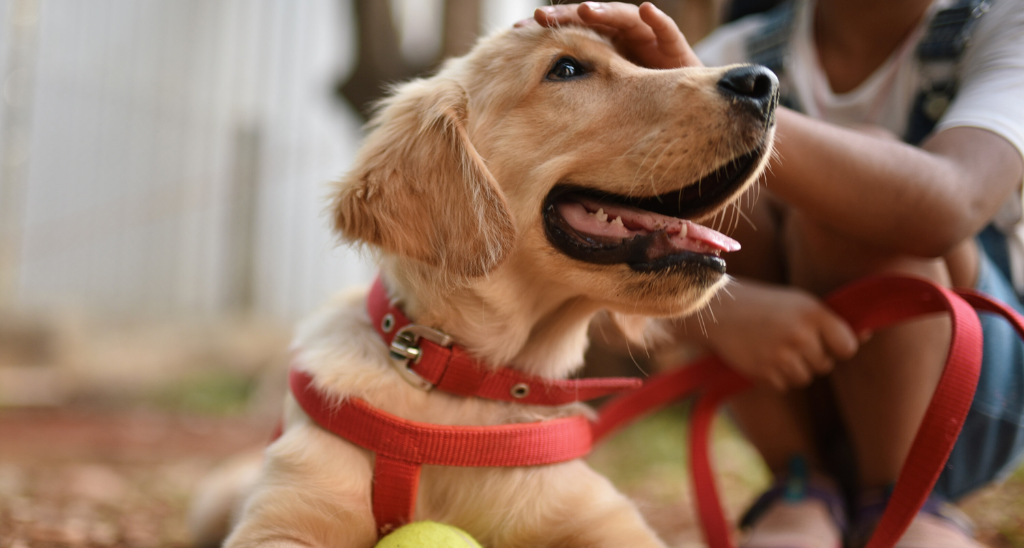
x: 547, y: 147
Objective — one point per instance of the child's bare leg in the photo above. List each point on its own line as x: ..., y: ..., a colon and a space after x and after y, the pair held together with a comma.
x: 771, y: 420
x: 774, y: 422
x: 884, y: 390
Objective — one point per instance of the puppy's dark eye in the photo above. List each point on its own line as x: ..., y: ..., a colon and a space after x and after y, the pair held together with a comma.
x: 565, y: 69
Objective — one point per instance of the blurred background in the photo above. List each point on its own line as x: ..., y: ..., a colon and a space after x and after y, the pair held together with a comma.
x: 163, y: 172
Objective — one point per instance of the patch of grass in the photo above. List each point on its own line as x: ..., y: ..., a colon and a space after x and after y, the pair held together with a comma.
x: 215, y: 393
x: 655, y: 443
x: 657, y: 447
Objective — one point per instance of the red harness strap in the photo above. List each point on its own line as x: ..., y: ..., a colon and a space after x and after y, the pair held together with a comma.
x: 401, y: 446
x: 435, y: 362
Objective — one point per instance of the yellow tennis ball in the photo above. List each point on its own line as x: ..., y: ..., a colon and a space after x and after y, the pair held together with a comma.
x: 428, y: 534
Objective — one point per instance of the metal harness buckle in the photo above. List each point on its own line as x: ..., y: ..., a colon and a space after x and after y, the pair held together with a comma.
x: 404, y: 350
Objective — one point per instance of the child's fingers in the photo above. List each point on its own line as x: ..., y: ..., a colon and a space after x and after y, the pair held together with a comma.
x: 561, y: 14
x: 777, y: 381
x: 813, y: 356
x: 624, y: 18
x: 818, y: 358
x: 840, y: 340
x: 568, y: 14
x: 646, y: 34
x: 797, y: 372
x: 564, y: 14
x: 787, y: 370
x: 670, y: 39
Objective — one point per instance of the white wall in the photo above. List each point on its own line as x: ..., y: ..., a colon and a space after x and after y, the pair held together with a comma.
x: 138, y: 108
x: 145, y: 116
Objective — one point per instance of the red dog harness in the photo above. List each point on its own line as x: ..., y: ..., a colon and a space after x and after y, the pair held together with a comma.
x: 427, y: 359
x: 402, y: 446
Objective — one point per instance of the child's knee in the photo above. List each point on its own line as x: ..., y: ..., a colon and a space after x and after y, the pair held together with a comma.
x: 821, y: 260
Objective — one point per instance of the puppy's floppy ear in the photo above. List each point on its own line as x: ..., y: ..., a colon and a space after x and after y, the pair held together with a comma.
x: 419, y: 189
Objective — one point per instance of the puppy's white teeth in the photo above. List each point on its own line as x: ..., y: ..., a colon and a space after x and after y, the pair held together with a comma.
x: 617, y: 221
x: 601, y: 215
x: 683, y: 231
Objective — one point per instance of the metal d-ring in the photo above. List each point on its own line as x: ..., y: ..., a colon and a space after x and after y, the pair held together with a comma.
x: 405, y: 352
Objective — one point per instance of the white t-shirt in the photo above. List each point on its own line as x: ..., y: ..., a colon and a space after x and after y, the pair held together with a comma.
x: 990, y: 94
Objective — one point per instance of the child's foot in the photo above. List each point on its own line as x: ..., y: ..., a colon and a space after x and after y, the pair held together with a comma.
x: 803, y: 524
x: 939, y: 524
x: 928, y: 531
x: 799, y: 511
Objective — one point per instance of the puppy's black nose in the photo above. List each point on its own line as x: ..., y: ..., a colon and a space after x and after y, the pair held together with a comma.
x: 754, y: 86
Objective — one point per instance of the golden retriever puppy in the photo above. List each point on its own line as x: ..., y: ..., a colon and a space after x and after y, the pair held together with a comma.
x: 511, y: 197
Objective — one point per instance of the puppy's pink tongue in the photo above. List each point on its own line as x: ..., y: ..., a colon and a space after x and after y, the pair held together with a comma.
x: 711, y: 238
x: 617, y: 221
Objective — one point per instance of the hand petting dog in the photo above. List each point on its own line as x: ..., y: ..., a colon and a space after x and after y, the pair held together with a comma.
x: 644, y: 35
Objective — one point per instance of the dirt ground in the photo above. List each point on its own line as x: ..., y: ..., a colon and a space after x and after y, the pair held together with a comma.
x: 122, y: 478
x: 86, y: 478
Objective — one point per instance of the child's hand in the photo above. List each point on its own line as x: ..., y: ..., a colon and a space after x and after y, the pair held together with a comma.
x: 644, y: 35
x: 779, y: 335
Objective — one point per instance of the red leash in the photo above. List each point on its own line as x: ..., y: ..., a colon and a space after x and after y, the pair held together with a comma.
x: 427, y: 359
x: 869, y: 304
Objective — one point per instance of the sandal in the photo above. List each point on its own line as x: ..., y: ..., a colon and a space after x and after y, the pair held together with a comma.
x: 939, y: 524
x: 799, y: 511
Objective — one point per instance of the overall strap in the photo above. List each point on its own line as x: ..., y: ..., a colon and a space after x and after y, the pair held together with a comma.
x: 402, y: 446
x: 939, y: 54
x: 428, y: 359
x: 769, y: 46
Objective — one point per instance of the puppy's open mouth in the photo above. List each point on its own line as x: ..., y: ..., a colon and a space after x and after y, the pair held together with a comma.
x: 646, y: 233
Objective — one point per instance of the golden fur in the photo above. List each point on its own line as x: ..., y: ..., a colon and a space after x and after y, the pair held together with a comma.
x: 448, y: 191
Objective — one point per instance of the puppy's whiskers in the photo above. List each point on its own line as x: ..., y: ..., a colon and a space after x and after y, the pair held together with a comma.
x: 654, y: 166
x: 639, y: 168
